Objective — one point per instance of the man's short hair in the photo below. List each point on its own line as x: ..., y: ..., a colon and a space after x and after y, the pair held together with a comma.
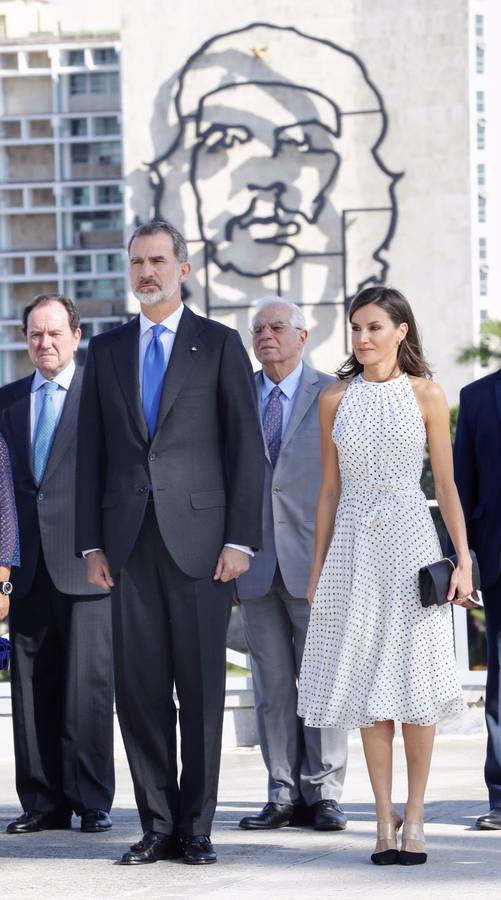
x: 296, y: 313
x: 43, y: 299
x: 178, y: 241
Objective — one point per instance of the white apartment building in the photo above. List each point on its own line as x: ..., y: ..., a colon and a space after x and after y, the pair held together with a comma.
x: 485, y: 80
x: 61, y: 191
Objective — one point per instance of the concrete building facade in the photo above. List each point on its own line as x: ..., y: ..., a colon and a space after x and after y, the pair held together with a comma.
x: 61, y: 193
x: 323, y: 148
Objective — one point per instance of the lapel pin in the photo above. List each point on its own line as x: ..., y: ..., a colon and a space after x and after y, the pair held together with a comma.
x: 193, y: 348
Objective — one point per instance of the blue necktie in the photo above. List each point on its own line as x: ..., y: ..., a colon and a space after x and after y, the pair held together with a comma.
x: 272, y: 424
x: 153, y: 378
x: 46, y: 427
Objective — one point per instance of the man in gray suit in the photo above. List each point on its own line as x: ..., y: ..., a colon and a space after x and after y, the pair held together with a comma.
x: 62, y: 667
x: 306, y: 766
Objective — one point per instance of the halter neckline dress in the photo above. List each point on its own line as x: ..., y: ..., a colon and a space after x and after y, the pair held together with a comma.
x: 372, y: 651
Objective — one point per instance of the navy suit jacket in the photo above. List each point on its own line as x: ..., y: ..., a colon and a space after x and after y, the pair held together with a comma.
x: 46, y: 512
x: 204, y: 465
x: 477, y: 470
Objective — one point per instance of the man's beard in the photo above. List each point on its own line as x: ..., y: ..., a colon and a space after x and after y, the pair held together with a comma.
x: 151, y: 298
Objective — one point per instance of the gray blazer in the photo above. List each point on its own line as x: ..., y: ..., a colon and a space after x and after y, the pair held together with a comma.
x: 46, y: 513
x: 290, y: 497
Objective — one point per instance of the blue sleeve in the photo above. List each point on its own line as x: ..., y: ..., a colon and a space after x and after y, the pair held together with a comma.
x: 9, y: 536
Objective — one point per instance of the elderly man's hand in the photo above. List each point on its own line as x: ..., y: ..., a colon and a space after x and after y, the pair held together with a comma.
x: 231, y: 564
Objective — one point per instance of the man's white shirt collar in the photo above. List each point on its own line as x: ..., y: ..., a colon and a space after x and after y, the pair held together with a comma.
x: 63, y: 378
x: 171, y: 322
x: 288, y: 386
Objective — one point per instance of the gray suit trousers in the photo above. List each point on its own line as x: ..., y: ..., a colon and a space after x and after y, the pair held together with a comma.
x: 304, y: 764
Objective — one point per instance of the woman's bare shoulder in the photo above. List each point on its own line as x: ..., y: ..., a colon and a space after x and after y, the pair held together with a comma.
x: 331, y: 396
x: 428, y: 391
x: 333, y: 392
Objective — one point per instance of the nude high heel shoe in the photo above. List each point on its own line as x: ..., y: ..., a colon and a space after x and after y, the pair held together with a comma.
x: 387, y: 835
x: 413, y: 852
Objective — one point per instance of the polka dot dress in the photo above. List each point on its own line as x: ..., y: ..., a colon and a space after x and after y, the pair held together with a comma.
x: 372, y: 651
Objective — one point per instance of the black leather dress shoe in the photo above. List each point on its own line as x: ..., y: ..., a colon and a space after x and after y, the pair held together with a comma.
x: 95, y: 820
x: 272, y: 815
x: 327, y: 815
x: 152, y: 846
x: 491, y: 821
x: 198, y: 850
x: 32, y: 820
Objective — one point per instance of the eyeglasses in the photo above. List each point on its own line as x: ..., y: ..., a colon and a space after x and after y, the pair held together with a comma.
x: 275, y: 327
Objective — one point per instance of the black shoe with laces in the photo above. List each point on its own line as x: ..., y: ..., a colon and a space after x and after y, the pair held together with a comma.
x: 198, y: 850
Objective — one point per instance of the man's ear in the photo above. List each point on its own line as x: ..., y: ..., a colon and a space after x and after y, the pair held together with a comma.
x: 184, y: 270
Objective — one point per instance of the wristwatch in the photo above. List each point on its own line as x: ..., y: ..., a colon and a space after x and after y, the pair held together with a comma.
x: 5, y: 587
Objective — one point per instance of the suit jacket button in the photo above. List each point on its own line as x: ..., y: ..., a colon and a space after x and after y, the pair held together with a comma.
x: 276, y: 490
x: 152, y: 457
x: 41, y: 495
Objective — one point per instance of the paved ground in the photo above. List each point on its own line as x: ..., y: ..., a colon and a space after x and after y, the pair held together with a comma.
x: 281, y: 864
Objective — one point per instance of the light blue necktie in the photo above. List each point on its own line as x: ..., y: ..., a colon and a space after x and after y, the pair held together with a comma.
x: 46, y: 427
x: 153, y: 378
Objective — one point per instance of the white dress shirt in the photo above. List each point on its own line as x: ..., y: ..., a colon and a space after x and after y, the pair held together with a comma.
x: 166, y: 338
x: 36, y: 399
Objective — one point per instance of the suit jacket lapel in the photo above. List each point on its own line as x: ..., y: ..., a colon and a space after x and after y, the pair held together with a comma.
x: 497, y: 388
x: 258, y: 378
x: 306, y: 393
x: 125, y: 354
x: 183, y: 357
x: 67, y: 426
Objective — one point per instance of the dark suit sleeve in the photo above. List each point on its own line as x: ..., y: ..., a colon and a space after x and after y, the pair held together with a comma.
x: 465, y: 470
x: 90, y: 463
x: 243, y: 445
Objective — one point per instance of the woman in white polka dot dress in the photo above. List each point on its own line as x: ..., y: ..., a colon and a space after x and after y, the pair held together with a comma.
x: 373, y: 654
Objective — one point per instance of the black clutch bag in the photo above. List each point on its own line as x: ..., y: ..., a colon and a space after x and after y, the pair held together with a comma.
x: 434, y: 580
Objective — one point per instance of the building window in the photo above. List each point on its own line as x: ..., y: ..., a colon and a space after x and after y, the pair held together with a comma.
x: 97, y: 221
x: 482, y: 247
x: 104, y: 83
x: 482, y: 207
x: 100, y: 289
x: 82, y: 263
x: 80, y: 196
x: 108, y: 153
x: 110, y: 262
x: 78, y: 127
x: 78, y: 84
x: 79, y: 153
x: 479, y: 26
x: 483, y: 272
x: 480, y: 59
x: 105, y: 56
x: 481, y: 174
x: 480, y: 101
x: 106, y: 125
x: 108, y: 193
x: 76, y: 58
x: 480, y: 134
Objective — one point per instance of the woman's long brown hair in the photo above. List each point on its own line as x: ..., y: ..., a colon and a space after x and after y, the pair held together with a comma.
x: 410, y: 357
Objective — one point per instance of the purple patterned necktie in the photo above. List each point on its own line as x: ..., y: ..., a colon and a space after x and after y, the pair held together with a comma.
x: 272, y: 424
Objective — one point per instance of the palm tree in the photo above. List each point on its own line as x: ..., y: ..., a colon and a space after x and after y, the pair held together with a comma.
x: 488, y: 350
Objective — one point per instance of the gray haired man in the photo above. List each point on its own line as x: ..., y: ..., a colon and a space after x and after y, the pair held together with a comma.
x: 306, y: 766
